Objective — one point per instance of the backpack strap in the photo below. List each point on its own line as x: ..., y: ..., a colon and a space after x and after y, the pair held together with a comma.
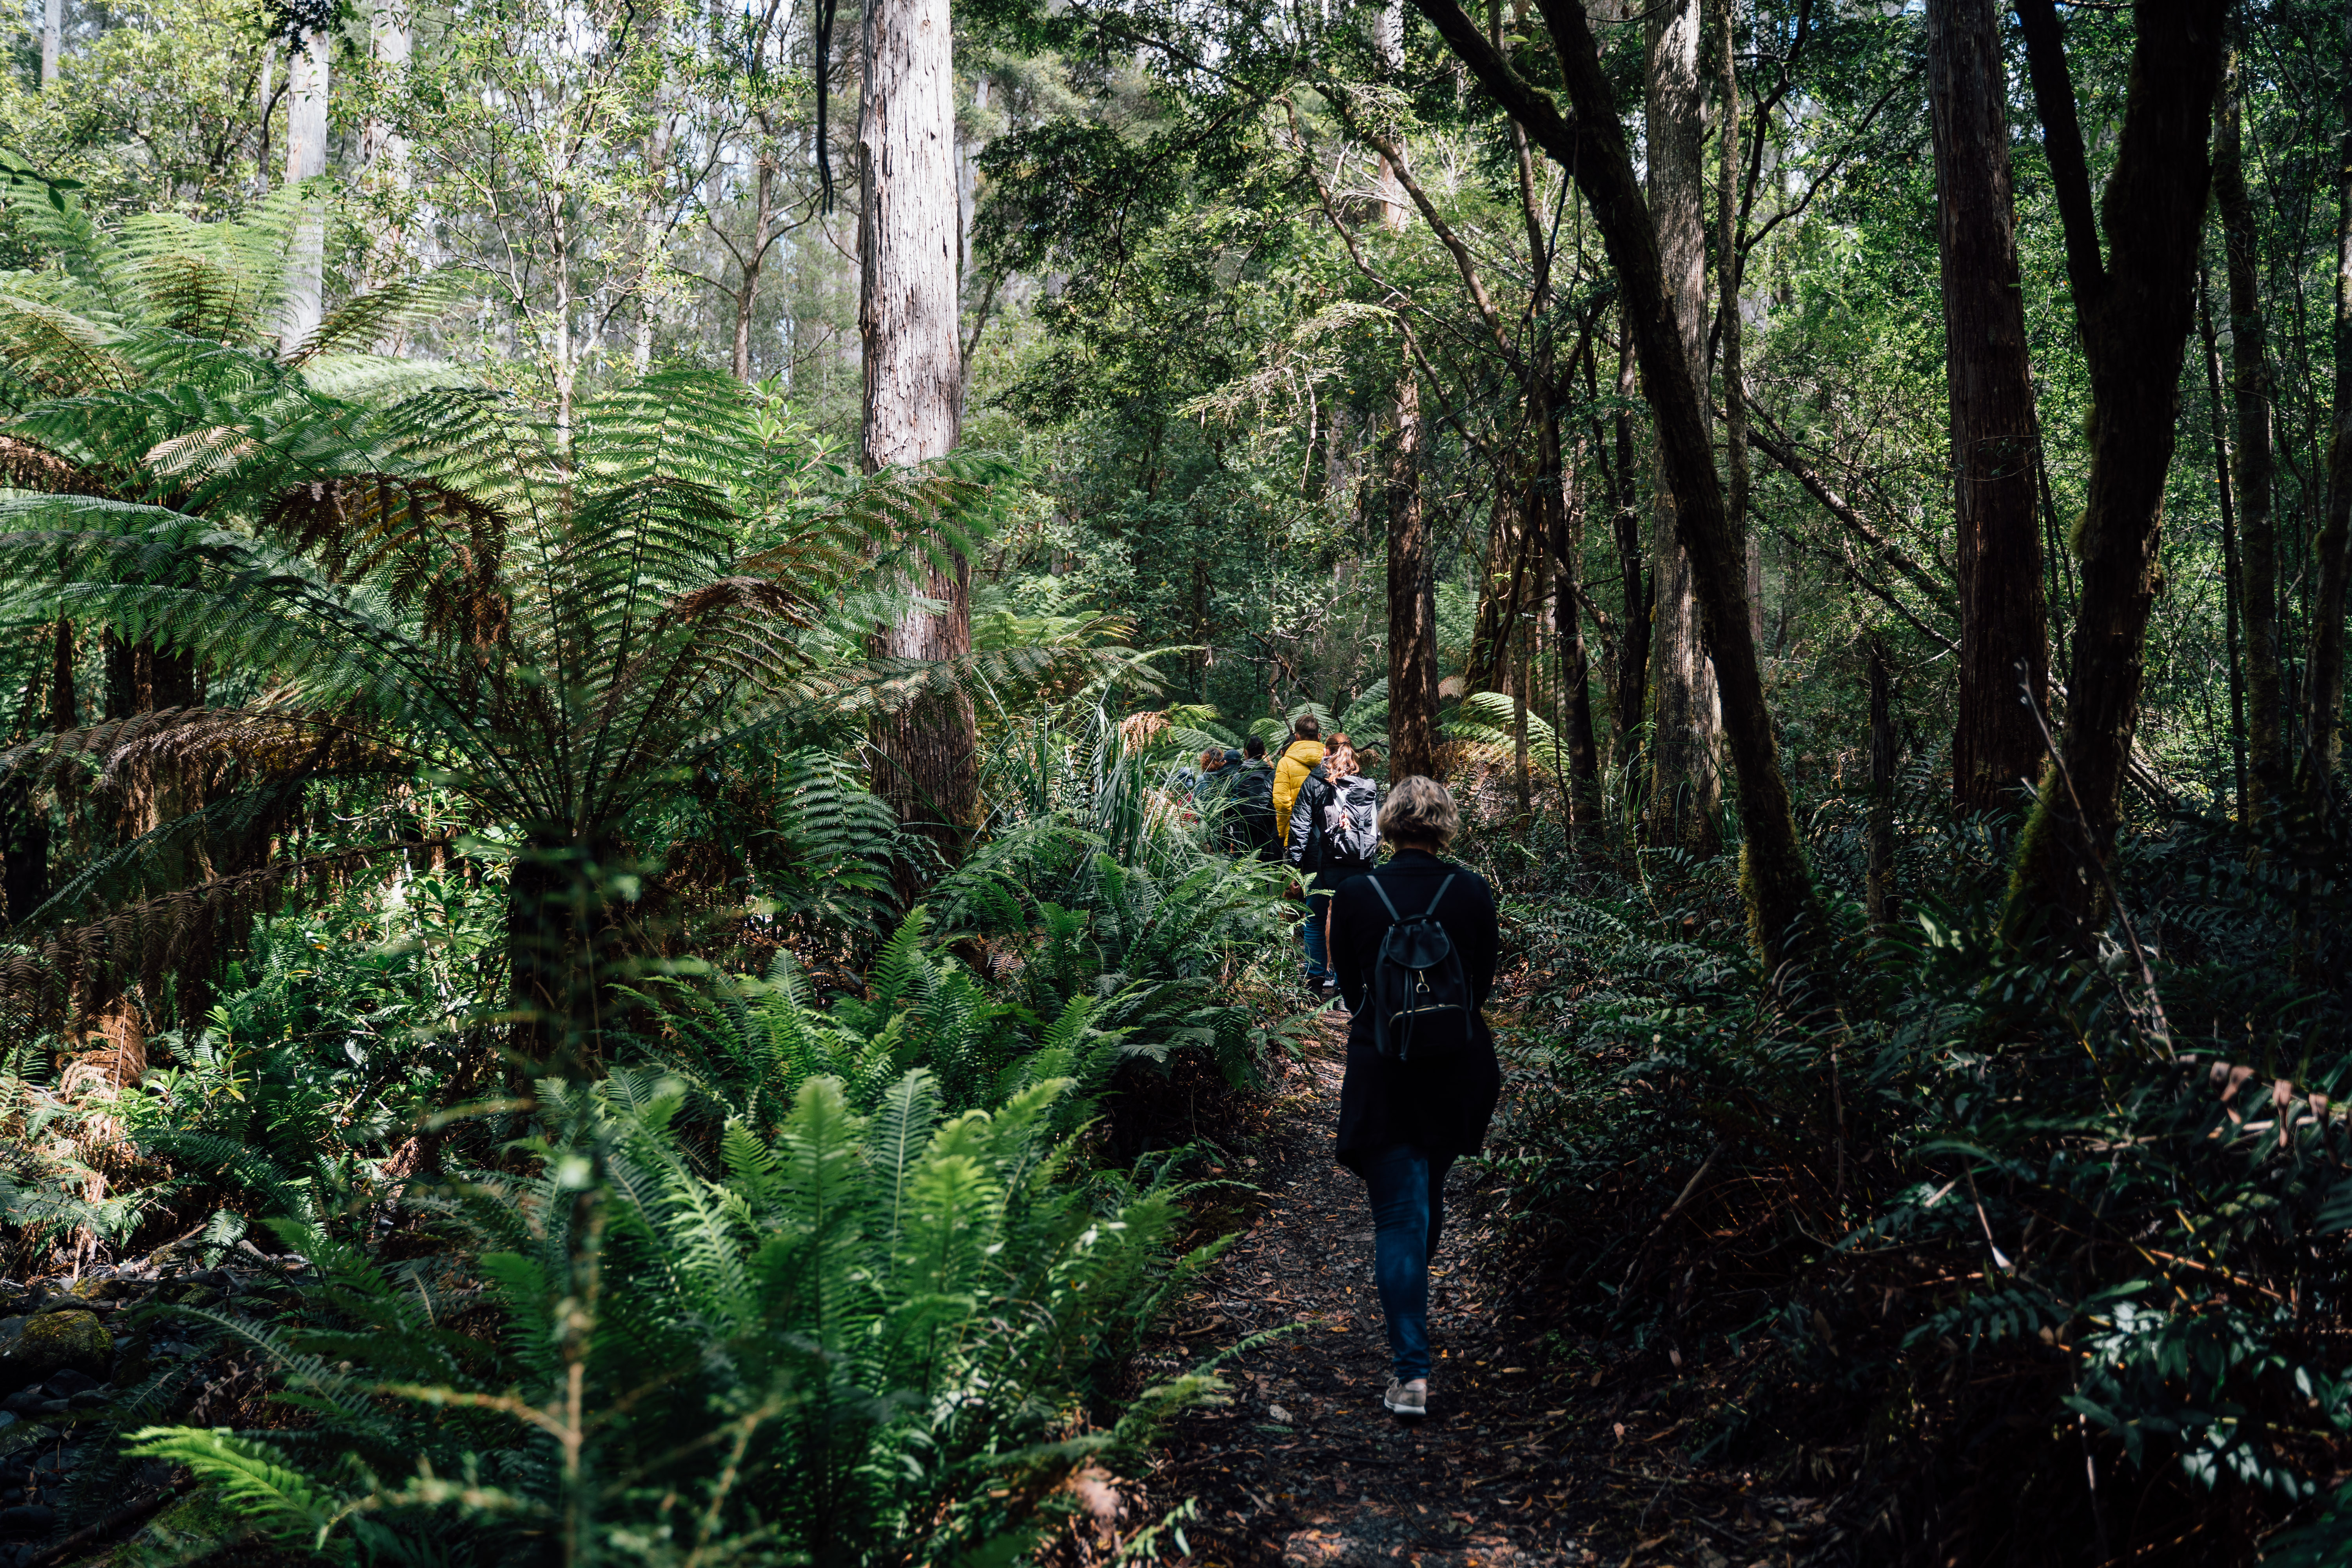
x: 1432, y: 911
x: 1384, y: 892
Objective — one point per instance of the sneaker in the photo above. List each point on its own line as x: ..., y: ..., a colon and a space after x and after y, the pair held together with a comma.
x: 1407, y: 1398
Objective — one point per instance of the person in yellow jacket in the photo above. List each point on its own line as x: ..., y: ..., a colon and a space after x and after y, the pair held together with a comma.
x: 1299, y: 760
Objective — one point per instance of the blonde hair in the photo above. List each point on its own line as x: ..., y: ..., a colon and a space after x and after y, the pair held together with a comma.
x: 1419, y: 813
x: 1339, y: 757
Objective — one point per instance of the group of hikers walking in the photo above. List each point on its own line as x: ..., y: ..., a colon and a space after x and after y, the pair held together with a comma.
x: 1410, y: 946
x: 1314, y: 806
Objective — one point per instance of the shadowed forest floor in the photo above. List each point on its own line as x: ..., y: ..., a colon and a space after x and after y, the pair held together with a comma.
x: 1519, y: 1460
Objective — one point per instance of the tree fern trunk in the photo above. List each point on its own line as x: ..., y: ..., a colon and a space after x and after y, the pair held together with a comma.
x: 910, y: 237
x: 564, y: 952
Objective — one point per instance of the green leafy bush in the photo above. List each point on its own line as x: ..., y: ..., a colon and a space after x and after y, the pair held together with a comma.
x: 812, y: 1335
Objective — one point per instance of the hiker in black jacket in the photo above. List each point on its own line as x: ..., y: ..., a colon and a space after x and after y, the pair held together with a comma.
x: 1250, y: 814
x: 1403, y: 1123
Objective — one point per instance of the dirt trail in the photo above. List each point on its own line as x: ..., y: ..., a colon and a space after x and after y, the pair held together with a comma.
x: 1517, y: 1463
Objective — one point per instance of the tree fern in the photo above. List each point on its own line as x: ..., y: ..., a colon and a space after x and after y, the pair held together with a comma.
x: 552, y: 629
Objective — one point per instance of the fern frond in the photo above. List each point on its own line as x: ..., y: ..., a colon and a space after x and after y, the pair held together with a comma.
x: 255, y: 1478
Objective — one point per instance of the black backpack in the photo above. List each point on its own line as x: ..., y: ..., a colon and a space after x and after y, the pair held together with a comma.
x: 1253, y: 807
x: 1420, y: 996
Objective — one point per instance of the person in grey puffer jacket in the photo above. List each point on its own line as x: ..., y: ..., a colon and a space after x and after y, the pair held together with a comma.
x: 1333, y: 835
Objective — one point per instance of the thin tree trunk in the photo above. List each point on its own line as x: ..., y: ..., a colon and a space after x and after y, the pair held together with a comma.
x: 1728, y: 269
x: 2325, y: 686
x: 1568, y: 636
x: 2133, y: 312
x: 1784, y: 917
x: 383, y: 155
x: 1388, y: 43
x: 1413, y: 607
x: 755, y: 255
x: 910, y: 240
x: 559, y: 266
x: 2251, y: 465
x: 651, y: 228
x: 1989, y: 379
x: 1510, y: 547
x: 53, y: 37
x: 23, y: 817
x: 1880, y: 895
x: 1634, y: 576
x: 1411, y: 578
x: 1685, y: 790
x: 967, y: 263
x: 2229, y: 577
x: 304, y: 305
x: 1522, y: 781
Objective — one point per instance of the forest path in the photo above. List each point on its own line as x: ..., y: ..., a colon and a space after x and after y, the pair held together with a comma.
x: 1304, y: 1465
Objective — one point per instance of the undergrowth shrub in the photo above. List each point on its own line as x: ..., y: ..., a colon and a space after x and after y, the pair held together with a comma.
x: 2025, y: 1260
x: 703, y: 1323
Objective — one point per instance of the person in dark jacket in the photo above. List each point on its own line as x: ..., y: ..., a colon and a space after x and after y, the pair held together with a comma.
x: 1403, y: 1123
x: 1252, y: 794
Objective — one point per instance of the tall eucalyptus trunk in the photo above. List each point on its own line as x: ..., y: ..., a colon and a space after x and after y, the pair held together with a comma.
x: 1685, y: 789
x: 1997, y: 750
x: 309, y: 58
x: 384, y: 155
x: 1412, y: 569
x: 1412, y: 599
x: 53, y: 39
x: 652, y: 223
x: 909, y: 239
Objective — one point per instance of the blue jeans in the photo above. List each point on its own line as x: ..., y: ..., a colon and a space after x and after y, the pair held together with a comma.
x: 1319, y: 956
x: 1408, y: 1193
